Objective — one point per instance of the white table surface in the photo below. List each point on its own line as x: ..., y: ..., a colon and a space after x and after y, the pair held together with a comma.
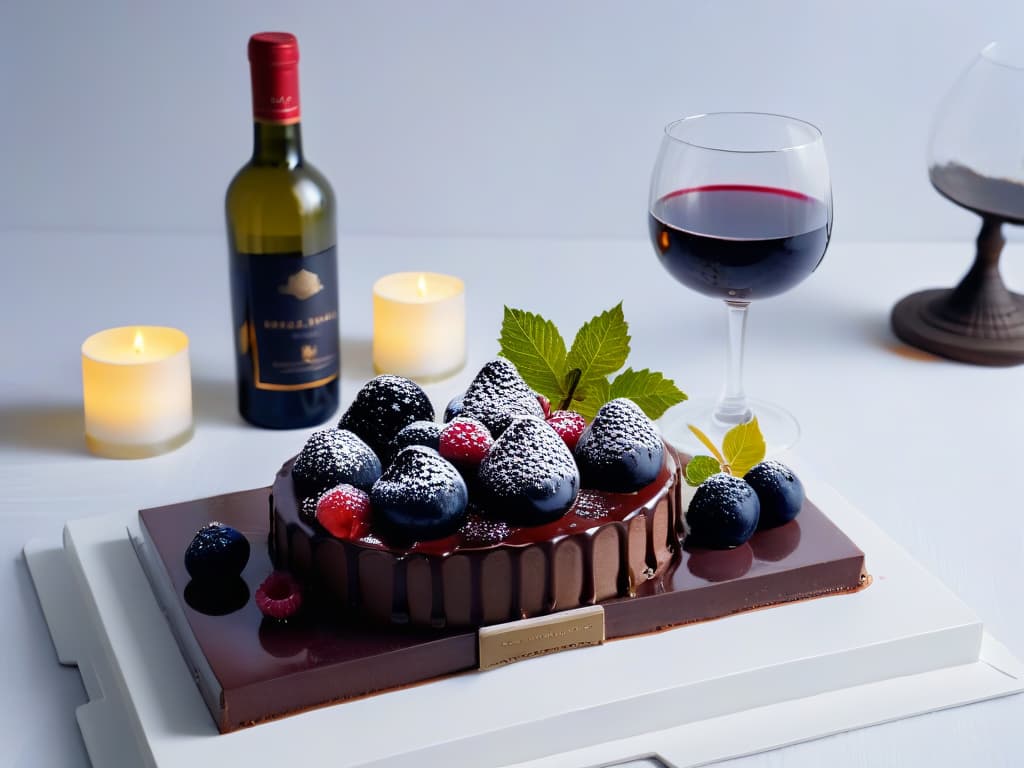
x: 929, y: 449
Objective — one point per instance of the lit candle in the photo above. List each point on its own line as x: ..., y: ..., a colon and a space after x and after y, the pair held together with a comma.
x: 137, y: 391
x: 419, y: 325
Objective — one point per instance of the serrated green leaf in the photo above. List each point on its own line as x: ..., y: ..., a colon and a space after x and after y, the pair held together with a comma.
x: 743, y: 447
x: 700, y: 469
x: 601, y: 346
x: 587, y: 400
x: 537, y: 350
x: 649, y: 389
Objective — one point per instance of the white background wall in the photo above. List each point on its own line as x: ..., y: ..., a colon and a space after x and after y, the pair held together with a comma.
x: 532, y: 117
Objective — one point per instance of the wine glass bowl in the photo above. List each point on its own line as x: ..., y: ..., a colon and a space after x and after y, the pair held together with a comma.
x: 976, y: 160
x: 740, y: 209
x: 976, y: 147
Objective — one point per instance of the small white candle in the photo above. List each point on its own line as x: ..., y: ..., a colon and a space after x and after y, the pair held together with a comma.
x: 419, y: 325
x: 137, y: 391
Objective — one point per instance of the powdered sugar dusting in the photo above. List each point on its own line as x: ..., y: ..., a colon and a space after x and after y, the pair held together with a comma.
x: 418, y: 433
x: 619, y: 426
x: 498, y: 394
x: 481, y: 532
x: 771, y: 473
x: 720, y: 499
x: 383, y: 407
x: 530, y: 457
x: 307, y: 508
x: 590, y: 506
x: 417, y: 475
x: 464, y: 440
x: 334, y: 456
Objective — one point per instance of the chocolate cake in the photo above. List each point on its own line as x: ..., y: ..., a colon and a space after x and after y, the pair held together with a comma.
x: 389, y: 554
x: 605, y: 546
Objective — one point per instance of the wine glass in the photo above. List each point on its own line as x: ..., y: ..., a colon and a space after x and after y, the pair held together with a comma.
x: 740, y: 210
x: 976, y: 160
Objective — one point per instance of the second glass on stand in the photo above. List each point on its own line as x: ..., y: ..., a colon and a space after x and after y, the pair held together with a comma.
x: 740, y: 210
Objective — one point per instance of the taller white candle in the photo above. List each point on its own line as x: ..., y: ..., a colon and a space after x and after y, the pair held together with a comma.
x: 137, y: 391
x: 419, y: 325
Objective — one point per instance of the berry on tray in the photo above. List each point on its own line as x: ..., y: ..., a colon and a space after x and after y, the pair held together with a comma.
x: 454, y: 408
x: 217, y: 553
x: 569, y: 425
x: 498, y: 394
x: 779, y: 490
x: 529, y: 476
x: 419, y: 497
x: 279, y: 596
x: 465, y: 442
x: 418, y: 433
x: 345, y: 512
x: 621, y: 450
x: 723, y: 513
x: 382, y: 407
x: 331, y: 457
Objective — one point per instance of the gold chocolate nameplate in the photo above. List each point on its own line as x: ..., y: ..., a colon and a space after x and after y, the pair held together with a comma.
x: 524, y: 639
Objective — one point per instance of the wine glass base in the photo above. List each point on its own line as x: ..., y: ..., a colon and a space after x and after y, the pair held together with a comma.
x: 916, y: 321
x: 779, y: 427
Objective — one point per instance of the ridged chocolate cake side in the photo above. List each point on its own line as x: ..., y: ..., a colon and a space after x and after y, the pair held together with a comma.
x: 605, y: 546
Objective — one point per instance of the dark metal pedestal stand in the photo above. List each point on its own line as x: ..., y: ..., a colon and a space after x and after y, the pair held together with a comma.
x: 980, y: 321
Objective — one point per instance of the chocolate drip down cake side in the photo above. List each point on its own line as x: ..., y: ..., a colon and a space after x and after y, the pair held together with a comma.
x: 392, y: 538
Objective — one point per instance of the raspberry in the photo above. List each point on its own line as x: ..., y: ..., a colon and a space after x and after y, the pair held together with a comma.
x: 465, y: 441
x: 544, y: 403
x: 279, y: 596
x: 569, y: 425
x: 345, y: 512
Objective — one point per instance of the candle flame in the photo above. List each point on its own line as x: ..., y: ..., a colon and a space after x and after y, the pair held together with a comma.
x: 421, y: 286
x: 139, y: 344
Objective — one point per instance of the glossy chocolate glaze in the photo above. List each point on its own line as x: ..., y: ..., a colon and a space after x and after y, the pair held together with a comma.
x: 250, y: 669
x: 605, y: 546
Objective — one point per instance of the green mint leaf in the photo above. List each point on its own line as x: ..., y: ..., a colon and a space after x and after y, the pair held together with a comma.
x: 601, y: 346
x: 649, y: 389
x: 589, y: 398
x: 537, y: 349
x: 700, y: 469
x: 743, y: 447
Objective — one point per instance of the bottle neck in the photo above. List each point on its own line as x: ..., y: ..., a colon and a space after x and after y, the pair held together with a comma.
x: 277, y: 145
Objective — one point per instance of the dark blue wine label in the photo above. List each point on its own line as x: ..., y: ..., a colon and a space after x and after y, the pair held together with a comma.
x: 292, y: 327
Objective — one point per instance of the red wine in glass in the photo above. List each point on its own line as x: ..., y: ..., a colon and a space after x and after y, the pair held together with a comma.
x: 739, y: 241
x: 740, y: 209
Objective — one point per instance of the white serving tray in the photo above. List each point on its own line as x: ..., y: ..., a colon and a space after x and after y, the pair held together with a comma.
x: 689, y: 696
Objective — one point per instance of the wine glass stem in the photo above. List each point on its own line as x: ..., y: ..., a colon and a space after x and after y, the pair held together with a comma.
x: 732, y: 407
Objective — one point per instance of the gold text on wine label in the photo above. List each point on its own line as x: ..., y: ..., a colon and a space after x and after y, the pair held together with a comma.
x: 301, y: 324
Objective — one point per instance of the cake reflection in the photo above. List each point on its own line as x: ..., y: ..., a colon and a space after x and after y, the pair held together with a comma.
x: 720, y: 564
x: 774, y: 544
x: 217, y: 599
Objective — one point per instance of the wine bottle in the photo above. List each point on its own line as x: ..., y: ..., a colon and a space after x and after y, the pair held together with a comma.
x: 281, y: 238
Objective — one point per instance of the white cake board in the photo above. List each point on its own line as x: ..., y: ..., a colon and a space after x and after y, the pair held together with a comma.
x: 689, y: 696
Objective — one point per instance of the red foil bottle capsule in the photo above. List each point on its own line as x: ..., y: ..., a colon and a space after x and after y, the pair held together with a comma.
x: 274, y: 63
